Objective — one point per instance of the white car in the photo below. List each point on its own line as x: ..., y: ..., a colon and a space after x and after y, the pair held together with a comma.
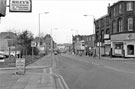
x: 2, y: 56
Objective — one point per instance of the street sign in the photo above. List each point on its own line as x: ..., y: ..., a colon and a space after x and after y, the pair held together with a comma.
x: 33, y: 44
x: 20, y: 5
x: 20, y: 65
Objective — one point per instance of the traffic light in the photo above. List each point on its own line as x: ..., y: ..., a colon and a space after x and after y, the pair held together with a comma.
x: 2, y: 8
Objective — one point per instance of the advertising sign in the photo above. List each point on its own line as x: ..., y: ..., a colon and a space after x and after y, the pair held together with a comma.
x: 20, y: 6
x: 107, y: 42
x: 2, y: 8
x: 20, y: 65
x: 106, y: 36
x: 11, y: 43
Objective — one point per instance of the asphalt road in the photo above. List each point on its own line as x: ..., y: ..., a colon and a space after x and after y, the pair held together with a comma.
x: 86, y: 73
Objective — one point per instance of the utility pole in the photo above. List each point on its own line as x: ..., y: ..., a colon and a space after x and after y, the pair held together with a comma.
x: 99, y: 45
x: 51, y: 48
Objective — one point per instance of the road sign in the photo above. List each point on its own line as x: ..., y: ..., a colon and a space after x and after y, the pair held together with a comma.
x: 20, y: 5
x: 20, y: 65
x: 33, y: 44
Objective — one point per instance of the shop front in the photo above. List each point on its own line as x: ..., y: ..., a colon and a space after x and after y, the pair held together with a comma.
x: 123, y: 45
x: 107, y: 45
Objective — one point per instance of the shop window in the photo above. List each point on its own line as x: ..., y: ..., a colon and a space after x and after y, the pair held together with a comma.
x: 130, y: 49
x: 118, y: 48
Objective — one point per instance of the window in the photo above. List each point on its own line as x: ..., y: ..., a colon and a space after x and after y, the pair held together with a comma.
x: 97, y: 25
x: 102, y: 35
x: 130, y: 49
x: 130, y: 24
x: 120, y: 9
x: 108, y: 31
x: 97, y: 35
x: 120, y: 25
x: 114, y: 27
x: 129, y: 6
x: 107, y: 21
x: 118, y: 48
x: 114, y: 12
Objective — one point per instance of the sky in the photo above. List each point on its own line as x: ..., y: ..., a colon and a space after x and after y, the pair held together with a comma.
x: 65, y: 18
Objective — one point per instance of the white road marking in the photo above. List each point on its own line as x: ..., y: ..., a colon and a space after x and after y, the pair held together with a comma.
x: 44, y: 70
x: 118, y: 69
x: 112, y: 68
x: 50, y: 69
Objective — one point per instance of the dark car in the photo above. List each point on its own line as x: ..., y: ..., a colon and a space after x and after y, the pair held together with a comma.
x: 55, y: 53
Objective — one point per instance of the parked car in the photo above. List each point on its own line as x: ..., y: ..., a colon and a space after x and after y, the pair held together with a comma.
x: 55, y: 53
x: 2, y: 56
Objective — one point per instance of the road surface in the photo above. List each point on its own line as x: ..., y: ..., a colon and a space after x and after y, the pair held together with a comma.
x: 87, y: 73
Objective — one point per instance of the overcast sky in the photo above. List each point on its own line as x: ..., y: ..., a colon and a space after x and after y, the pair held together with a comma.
x: 65, y: 18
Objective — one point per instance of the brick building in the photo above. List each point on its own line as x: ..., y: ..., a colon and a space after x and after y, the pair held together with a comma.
x: 115, y: 32
x: 122, y: 15
x: 102, y: 35
x: 83, y: 43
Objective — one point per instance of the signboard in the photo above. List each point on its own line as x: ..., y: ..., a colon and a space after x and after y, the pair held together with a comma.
x: 20, y: 5
x: 118, y: 51
x: 11, y: 43
x: 33, y: 44
x: 2, y: 7
x: 106, y: 36
x: 20, y: 65
x: 107, y: 42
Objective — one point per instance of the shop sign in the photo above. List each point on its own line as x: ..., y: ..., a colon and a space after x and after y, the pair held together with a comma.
x: 118, y: 51
x: 106, y: 36
x: 20, y: 5
x: 107, y: 42
x: 3, y: 8
x: 20, y: 65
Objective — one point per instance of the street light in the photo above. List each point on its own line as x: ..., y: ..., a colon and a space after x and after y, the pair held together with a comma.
x: 94, y: 32
x: 72, y: 39
x: 75, y: 30
x: 93, y: 21
x: 39, y: 23
x: 52, y: 64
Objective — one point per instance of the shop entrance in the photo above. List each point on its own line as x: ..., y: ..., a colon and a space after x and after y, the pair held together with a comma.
x: 130, y: 49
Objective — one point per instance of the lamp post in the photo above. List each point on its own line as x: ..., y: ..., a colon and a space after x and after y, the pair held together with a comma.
x: 93, y: 33
x: 52, y: 64
x: 93, y: 21
x: 39, y: 23
x: 73, y: 42
x: 76, y: 30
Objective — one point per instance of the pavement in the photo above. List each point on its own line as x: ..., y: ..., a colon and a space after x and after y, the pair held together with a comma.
x: 36, y: 77
x: 109, y: 58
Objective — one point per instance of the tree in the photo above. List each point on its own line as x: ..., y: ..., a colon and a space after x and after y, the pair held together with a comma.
x: 24, y: 39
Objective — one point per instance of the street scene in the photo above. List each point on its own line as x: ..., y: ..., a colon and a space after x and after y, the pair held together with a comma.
x: 67, y: 44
